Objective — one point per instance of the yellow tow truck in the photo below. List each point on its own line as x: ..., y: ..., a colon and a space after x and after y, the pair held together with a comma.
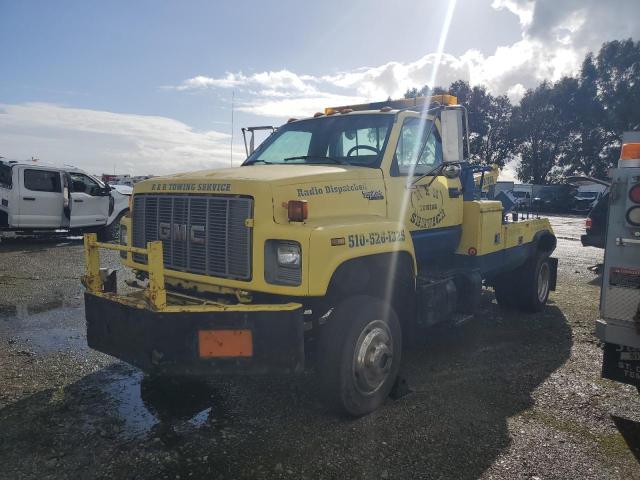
x: 340, y: 235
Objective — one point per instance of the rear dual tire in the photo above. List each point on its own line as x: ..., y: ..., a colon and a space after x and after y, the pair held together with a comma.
x: 526, y: 288
x: 360, y: 350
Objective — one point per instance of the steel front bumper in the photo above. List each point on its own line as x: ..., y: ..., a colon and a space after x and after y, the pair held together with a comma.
x: 175, y: 334
x: 197, y: 343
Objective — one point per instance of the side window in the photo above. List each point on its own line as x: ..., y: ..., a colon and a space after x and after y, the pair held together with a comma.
x: 84, y: 184
x: 42, y: 181
x: 419, y: 148
x: 5, y: 175
x: 292, y: 143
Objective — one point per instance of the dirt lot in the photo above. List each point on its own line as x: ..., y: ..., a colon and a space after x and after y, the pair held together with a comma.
x: 504, y: 395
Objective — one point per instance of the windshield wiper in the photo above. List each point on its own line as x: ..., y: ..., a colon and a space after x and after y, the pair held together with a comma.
x: 319, y: 157
x: 251, y: 162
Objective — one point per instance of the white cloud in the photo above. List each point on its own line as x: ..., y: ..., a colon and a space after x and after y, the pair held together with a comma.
x: 555, y: 38
x: 523, y: 9
x: 97, y: 140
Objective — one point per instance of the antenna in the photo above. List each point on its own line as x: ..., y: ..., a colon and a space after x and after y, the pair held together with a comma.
x: 233, y: 94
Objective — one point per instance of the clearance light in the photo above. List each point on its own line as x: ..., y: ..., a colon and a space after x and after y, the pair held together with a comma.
x: 346, y: 110
x: 292, y: 119
x: 318, y: 114
x: 298, y: 210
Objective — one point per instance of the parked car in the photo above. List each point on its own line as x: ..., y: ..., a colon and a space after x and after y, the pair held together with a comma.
x: 585, y: 201
x: 596, y: 223
x: 37, y: 198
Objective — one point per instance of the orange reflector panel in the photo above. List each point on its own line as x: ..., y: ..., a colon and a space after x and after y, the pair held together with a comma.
x: 630, y: 151
x: 225, y: 343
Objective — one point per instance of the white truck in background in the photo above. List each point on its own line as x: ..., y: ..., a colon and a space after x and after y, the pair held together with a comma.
x: 619, y: 324
x: 40, y: 199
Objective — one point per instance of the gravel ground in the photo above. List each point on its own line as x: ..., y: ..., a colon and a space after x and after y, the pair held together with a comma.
x: 503, y: 395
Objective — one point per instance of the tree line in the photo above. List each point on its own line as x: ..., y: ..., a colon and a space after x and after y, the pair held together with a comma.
x: 570, y: 127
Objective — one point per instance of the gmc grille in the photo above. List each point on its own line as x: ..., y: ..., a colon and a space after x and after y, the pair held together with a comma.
x: 200, y: 234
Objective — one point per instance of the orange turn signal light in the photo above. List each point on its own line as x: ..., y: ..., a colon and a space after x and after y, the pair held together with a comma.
x: 630, y: 151
x: 298, y: 210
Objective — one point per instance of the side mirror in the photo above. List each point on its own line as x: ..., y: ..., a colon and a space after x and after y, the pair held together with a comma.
x: 452, y: 135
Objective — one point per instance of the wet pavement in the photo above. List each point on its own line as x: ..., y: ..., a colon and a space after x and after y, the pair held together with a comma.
x: 503, y: 395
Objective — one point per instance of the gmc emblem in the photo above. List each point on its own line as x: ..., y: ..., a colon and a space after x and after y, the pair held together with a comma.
x: 178, y: 232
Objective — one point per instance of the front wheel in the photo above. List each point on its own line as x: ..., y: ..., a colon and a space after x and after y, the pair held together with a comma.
x: 111, y: 232
x: 359, y: 357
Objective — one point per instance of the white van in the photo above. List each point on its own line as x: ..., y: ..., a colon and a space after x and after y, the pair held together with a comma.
x: 37, y: 198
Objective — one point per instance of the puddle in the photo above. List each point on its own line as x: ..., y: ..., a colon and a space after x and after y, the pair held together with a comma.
x: 124, y: 390
x: 44, y: 328
x: 144, y: 403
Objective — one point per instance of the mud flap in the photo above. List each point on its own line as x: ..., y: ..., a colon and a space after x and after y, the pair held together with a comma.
x: 553, y: 263
x: 621, y: 363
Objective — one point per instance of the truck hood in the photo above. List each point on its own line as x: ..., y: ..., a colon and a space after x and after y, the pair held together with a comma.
x: 277, y: 174
x: 330, y: 190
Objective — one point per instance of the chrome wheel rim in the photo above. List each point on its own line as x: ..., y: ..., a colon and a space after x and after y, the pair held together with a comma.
x: 543, y: 282
x: 373, y: 357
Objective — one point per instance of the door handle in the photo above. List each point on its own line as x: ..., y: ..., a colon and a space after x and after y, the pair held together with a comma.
x: 78, y: 201
x: 30, y: 199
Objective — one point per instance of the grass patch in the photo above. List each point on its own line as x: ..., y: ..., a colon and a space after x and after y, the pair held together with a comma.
x: 609, y: 444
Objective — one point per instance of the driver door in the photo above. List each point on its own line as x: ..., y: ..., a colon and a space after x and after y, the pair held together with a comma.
x: 429, y: 207
x: 90, y: 204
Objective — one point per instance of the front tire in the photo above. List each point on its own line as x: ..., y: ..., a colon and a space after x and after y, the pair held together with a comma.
x: 111, y: 232
x: 359, y: 356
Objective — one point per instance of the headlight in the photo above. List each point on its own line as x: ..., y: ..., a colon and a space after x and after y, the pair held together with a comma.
x: 123, y: 239
x: 288, y: 255
x: 282, y: 262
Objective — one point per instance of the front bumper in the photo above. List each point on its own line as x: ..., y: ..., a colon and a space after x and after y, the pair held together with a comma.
x: 168, y: 342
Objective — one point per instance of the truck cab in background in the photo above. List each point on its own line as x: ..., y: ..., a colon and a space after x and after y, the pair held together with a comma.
x: 37, y: 198
x: 619, y: 323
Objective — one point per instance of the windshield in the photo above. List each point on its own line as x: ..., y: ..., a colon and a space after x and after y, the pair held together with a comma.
x: 358, y: 139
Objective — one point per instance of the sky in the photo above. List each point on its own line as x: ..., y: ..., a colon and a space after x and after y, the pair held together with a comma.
x: 147, y: 87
